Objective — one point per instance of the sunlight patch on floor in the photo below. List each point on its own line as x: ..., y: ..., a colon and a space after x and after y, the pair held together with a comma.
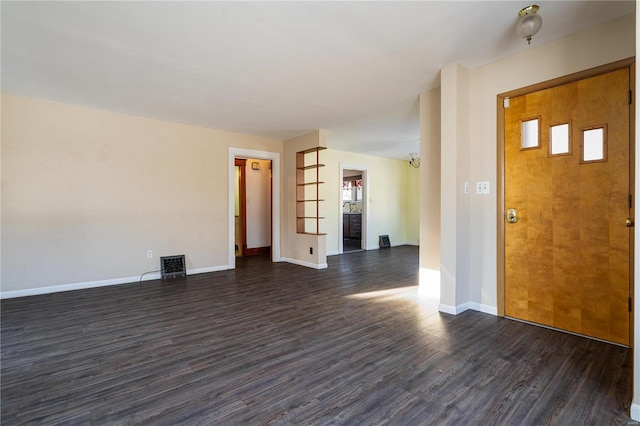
x: 403, y: 293
x: 428, y: 291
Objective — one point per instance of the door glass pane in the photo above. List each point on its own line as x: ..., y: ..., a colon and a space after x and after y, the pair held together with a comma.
x: 346, y: 191
x: 530, y: 134
x: 559, y: 142
x: 593, y: 145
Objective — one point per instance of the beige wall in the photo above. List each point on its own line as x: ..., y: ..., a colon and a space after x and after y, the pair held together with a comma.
x: 469, y: 274
x: 86, y: 193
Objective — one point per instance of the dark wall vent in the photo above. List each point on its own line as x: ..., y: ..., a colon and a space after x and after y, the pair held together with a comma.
x: 173, y: 267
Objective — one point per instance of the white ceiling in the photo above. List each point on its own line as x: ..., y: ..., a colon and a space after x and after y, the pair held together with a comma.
x: 275, y: 69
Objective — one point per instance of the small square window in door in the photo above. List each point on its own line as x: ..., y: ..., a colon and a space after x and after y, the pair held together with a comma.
x: 560, y: 139
x: 594, y: 145
x: 530, y: 134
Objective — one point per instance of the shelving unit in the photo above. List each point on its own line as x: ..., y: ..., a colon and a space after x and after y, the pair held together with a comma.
x: 307, y: 191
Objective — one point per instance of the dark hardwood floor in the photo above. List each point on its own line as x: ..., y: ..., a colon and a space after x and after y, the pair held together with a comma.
x: 284, y: 344
x: 351, y: 244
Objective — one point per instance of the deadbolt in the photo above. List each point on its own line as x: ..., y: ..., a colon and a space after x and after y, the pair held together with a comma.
x: 512, y: 216
x: 630, y: 223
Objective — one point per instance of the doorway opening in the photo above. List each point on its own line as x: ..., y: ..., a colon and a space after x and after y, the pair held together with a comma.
x: 354, y: 209
x: 252, y: 207
x: 257, y: 224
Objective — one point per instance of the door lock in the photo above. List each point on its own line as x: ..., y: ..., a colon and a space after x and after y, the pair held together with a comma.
x: 512, y: 215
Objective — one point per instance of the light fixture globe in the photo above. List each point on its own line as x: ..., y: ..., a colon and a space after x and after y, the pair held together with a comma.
x: 529, y: 23
x: 414, y: 160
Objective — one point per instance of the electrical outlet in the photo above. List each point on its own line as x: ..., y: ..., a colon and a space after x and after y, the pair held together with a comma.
x: 466, y: 187
x: 149, y: 254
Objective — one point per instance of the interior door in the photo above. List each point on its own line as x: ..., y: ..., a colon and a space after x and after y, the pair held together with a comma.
x: 568, y: 198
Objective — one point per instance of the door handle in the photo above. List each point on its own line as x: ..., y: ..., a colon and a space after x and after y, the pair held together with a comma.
x: 512, y: 215
x: 630, y: 223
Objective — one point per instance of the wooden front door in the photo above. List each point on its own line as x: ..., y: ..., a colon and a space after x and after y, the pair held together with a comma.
x: 568, y: 197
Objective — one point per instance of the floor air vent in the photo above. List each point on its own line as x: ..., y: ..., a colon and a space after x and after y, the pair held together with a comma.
x: 173, y: 267
x: 384, y: 241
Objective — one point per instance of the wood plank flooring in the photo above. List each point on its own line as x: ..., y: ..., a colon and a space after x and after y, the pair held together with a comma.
x: 351, y: 244
x: 283, y: 344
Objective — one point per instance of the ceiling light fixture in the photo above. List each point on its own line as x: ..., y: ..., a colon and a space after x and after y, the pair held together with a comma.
x: 414, y: 160
x: 529, y: 23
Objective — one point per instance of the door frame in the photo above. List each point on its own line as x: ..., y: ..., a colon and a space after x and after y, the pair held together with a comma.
x: 275, y: 199
x: 364, y: 239
x: 500, y: 194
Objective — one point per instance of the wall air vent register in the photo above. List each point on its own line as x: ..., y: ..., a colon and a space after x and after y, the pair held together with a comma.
x: 173, y: 267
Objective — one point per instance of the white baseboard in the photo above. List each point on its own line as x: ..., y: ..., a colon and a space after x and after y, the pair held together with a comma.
x: 68, y: 287
x: 102, y: 283
x: 455, y: 310
x: 148, y: 277
x: 491, y: 310
x: 448, y: 309
x: 333, y: 253
x: 307, y: 264
x: 205, y: 270
x: 394, y: 245
x: 635, y: 412
x: 463, y: 307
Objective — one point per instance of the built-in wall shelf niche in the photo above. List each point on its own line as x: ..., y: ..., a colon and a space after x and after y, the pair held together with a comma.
x: 308, y: 191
